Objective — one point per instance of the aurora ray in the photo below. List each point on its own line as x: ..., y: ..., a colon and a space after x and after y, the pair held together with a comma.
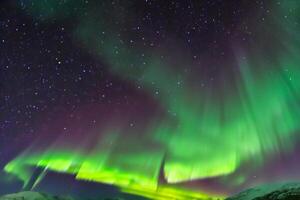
x: 199, y: 127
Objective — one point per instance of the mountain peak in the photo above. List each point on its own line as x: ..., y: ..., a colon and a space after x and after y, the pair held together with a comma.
x: 289, y: 191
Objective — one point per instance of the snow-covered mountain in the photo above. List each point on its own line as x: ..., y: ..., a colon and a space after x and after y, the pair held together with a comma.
x: 290, y: 191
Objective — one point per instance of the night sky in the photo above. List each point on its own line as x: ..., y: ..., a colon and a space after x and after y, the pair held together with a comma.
x: 187, y: 98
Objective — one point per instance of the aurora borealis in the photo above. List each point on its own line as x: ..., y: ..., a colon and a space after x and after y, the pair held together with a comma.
x: 163, y: 99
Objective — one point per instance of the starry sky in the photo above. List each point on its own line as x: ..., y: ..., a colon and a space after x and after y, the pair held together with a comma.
x: 160, y: 99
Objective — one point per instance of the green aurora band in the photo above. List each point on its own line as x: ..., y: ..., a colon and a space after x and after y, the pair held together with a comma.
x: 215, y: 131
